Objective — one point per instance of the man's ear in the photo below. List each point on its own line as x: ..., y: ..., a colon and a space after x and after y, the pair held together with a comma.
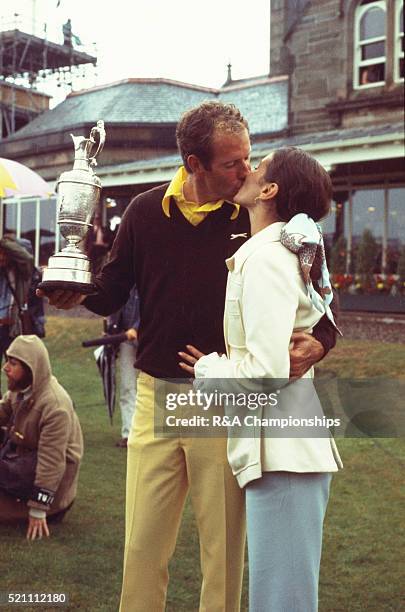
x: 194, y: 163
x: 269, y: 191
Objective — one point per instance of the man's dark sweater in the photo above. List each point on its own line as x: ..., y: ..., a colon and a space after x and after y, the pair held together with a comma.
x: 180, y: 272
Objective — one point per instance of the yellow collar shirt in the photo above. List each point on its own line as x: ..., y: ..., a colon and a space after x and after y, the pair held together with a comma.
x: 192, y: 211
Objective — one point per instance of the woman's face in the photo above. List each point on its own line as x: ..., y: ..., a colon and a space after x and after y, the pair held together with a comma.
x: 251, y: 189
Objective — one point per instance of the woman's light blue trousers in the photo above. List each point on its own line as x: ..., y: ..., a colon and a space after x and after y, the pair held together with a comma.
x: 285, y: 513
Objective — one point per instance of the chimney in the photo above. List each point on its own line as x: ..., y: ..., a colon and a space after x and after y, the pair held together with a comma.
x: 277, y: 31
x: 229, y: 77
x: 284, y: 15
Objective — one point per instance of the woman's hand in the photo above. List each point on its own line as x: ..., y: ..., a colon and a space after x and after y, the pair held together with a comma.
x: 190, y: 358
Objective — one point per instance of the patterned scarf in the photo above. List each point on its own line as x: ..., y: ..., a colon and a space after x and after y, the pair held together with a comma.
x: 303, y: 236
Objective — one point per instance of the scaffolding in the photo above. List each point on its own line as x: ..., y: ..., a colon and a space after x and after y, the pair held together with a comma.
x: 28, y: 61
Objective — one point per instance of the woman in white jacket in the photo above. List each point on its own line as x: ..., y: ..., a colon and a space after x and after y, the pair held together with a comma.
x: 269, y: 296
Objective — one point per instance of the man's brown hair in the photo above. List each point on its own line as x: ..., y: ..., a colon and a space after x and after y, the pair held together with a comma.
x: 197, y: 126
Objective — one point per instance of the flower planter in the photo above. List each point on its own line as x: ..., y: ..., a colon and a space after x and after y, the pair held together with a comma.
x: 394, y: 304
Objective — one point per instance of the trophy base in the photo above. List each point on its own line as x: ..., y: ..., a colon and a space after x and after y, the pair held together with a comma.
x: 68, y: 272
x: 60, y: 285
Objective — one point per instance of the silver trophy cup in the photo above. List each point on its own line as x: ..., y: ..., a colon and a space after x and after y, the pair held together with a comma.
x: 78, y: 195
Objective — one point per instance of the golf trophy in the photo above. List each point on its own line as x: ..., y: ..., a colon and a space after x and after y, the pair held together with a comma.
x: 78, y: 195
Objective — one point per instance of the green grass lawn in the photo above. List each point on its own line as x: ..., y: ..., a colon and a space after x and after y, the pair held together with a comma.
x: 362, y: 564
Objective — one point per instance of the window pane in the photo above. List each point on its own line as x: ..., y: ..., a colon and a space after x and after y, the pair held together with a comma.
x: 376, y: 49
x: 396, y: 216
x: 328, y: 225
x: 368, y: 213
x: 333, y: 225
x: 10, y: 219
x: 28, y: 208
x: 396, y: 227
x: 47, y: 230
x: 372, y: 23
x: 372, y: 74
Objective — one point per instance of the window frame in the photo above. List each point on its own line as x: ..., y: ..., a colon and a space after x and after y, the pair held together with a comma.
x: 398, y: 36
x: 358, y: 63
x: 17, y: 204
x: 386, y: 188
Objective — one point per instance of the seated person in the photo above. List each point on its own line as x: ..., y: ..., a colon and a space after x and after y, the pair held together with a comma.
x: 43, y: 443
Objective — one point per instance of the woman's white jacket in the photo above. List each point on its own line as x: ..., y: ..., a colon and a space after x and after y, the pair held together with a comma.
x: 266, y: 301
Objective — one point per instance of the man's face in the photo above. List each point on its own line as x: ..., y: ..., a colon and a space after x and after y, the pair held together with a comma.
x: 17, y: 376
x: 229, y: 166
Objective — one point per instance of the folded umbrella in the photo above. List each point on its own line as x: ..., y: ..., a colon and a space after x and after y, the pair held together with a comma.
x: 105, y: 358
x: 106, y: 355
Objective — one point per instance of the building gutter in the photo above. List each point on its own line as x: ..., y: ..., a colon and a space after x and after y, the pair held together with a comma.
x: 330, y: 154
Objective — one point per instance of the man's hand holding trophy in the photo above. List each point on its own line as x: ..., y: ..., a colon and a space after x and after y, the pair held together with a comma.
x: 67, y: 279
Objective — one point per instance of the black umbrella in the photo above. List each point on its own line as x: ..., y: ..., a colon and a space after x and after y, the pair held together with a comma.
x: 106, y: 355
x: 105, y: 358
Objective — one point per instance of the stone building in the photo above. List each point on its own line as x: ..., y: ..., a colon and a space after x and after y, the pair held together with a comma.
x: 335, y: 88
x: 345, y: 63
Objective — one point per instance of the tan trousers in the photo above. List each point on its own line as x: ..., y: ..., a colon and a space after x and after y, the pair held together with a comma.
x: 160, y: 473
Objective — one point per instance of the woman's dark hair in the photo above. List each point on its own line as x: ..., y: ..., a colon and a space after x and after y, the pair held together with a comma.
x: 304, y: 186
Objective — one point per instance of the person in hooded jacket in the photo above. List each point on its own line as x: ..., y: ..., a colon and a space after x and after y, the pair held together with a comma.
x: 43, y: 444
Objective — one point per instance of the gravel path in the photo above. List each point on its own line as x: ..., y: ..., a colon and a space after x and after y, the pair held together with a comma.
x: 368, y: 326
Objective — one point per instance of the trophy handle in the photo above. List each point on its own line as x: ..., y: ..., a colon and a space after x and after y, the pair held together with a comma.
x: 98, y: 129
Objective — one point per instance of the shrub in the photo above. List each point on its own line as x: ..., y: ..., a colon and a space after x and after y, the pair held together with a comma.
x: 366, y: 258
x: 338, y: 256
x: 401, y: 268
x: 401, y: 265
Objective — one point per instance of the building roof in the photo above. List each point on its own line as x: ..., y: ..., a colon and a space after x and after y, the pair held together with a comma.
x: 264, y: 102
x: 330, y: 148
x: 341, y: 135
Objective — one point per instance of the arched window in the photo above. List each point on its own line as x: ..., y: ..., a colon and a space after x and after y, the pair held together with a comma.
x: 370, y: 44
x: 399, y: 41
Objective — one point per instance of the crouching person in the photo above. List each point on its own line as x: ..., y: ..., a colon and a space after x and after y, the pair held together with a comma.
x: 42, y: 440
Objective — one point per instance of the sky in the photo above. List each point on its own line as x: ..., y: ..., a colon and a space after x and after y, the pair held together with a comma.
x: 184, y: 40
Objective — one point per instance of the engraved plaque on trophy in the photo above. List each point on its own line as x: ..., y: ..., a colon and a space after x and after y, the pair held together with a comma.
x: 78, y: 195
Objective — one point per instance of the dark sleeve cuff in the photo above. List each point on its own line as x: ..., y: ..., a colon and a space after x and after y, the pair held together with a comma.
x: 42, y: 496
x: 324, y: 331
